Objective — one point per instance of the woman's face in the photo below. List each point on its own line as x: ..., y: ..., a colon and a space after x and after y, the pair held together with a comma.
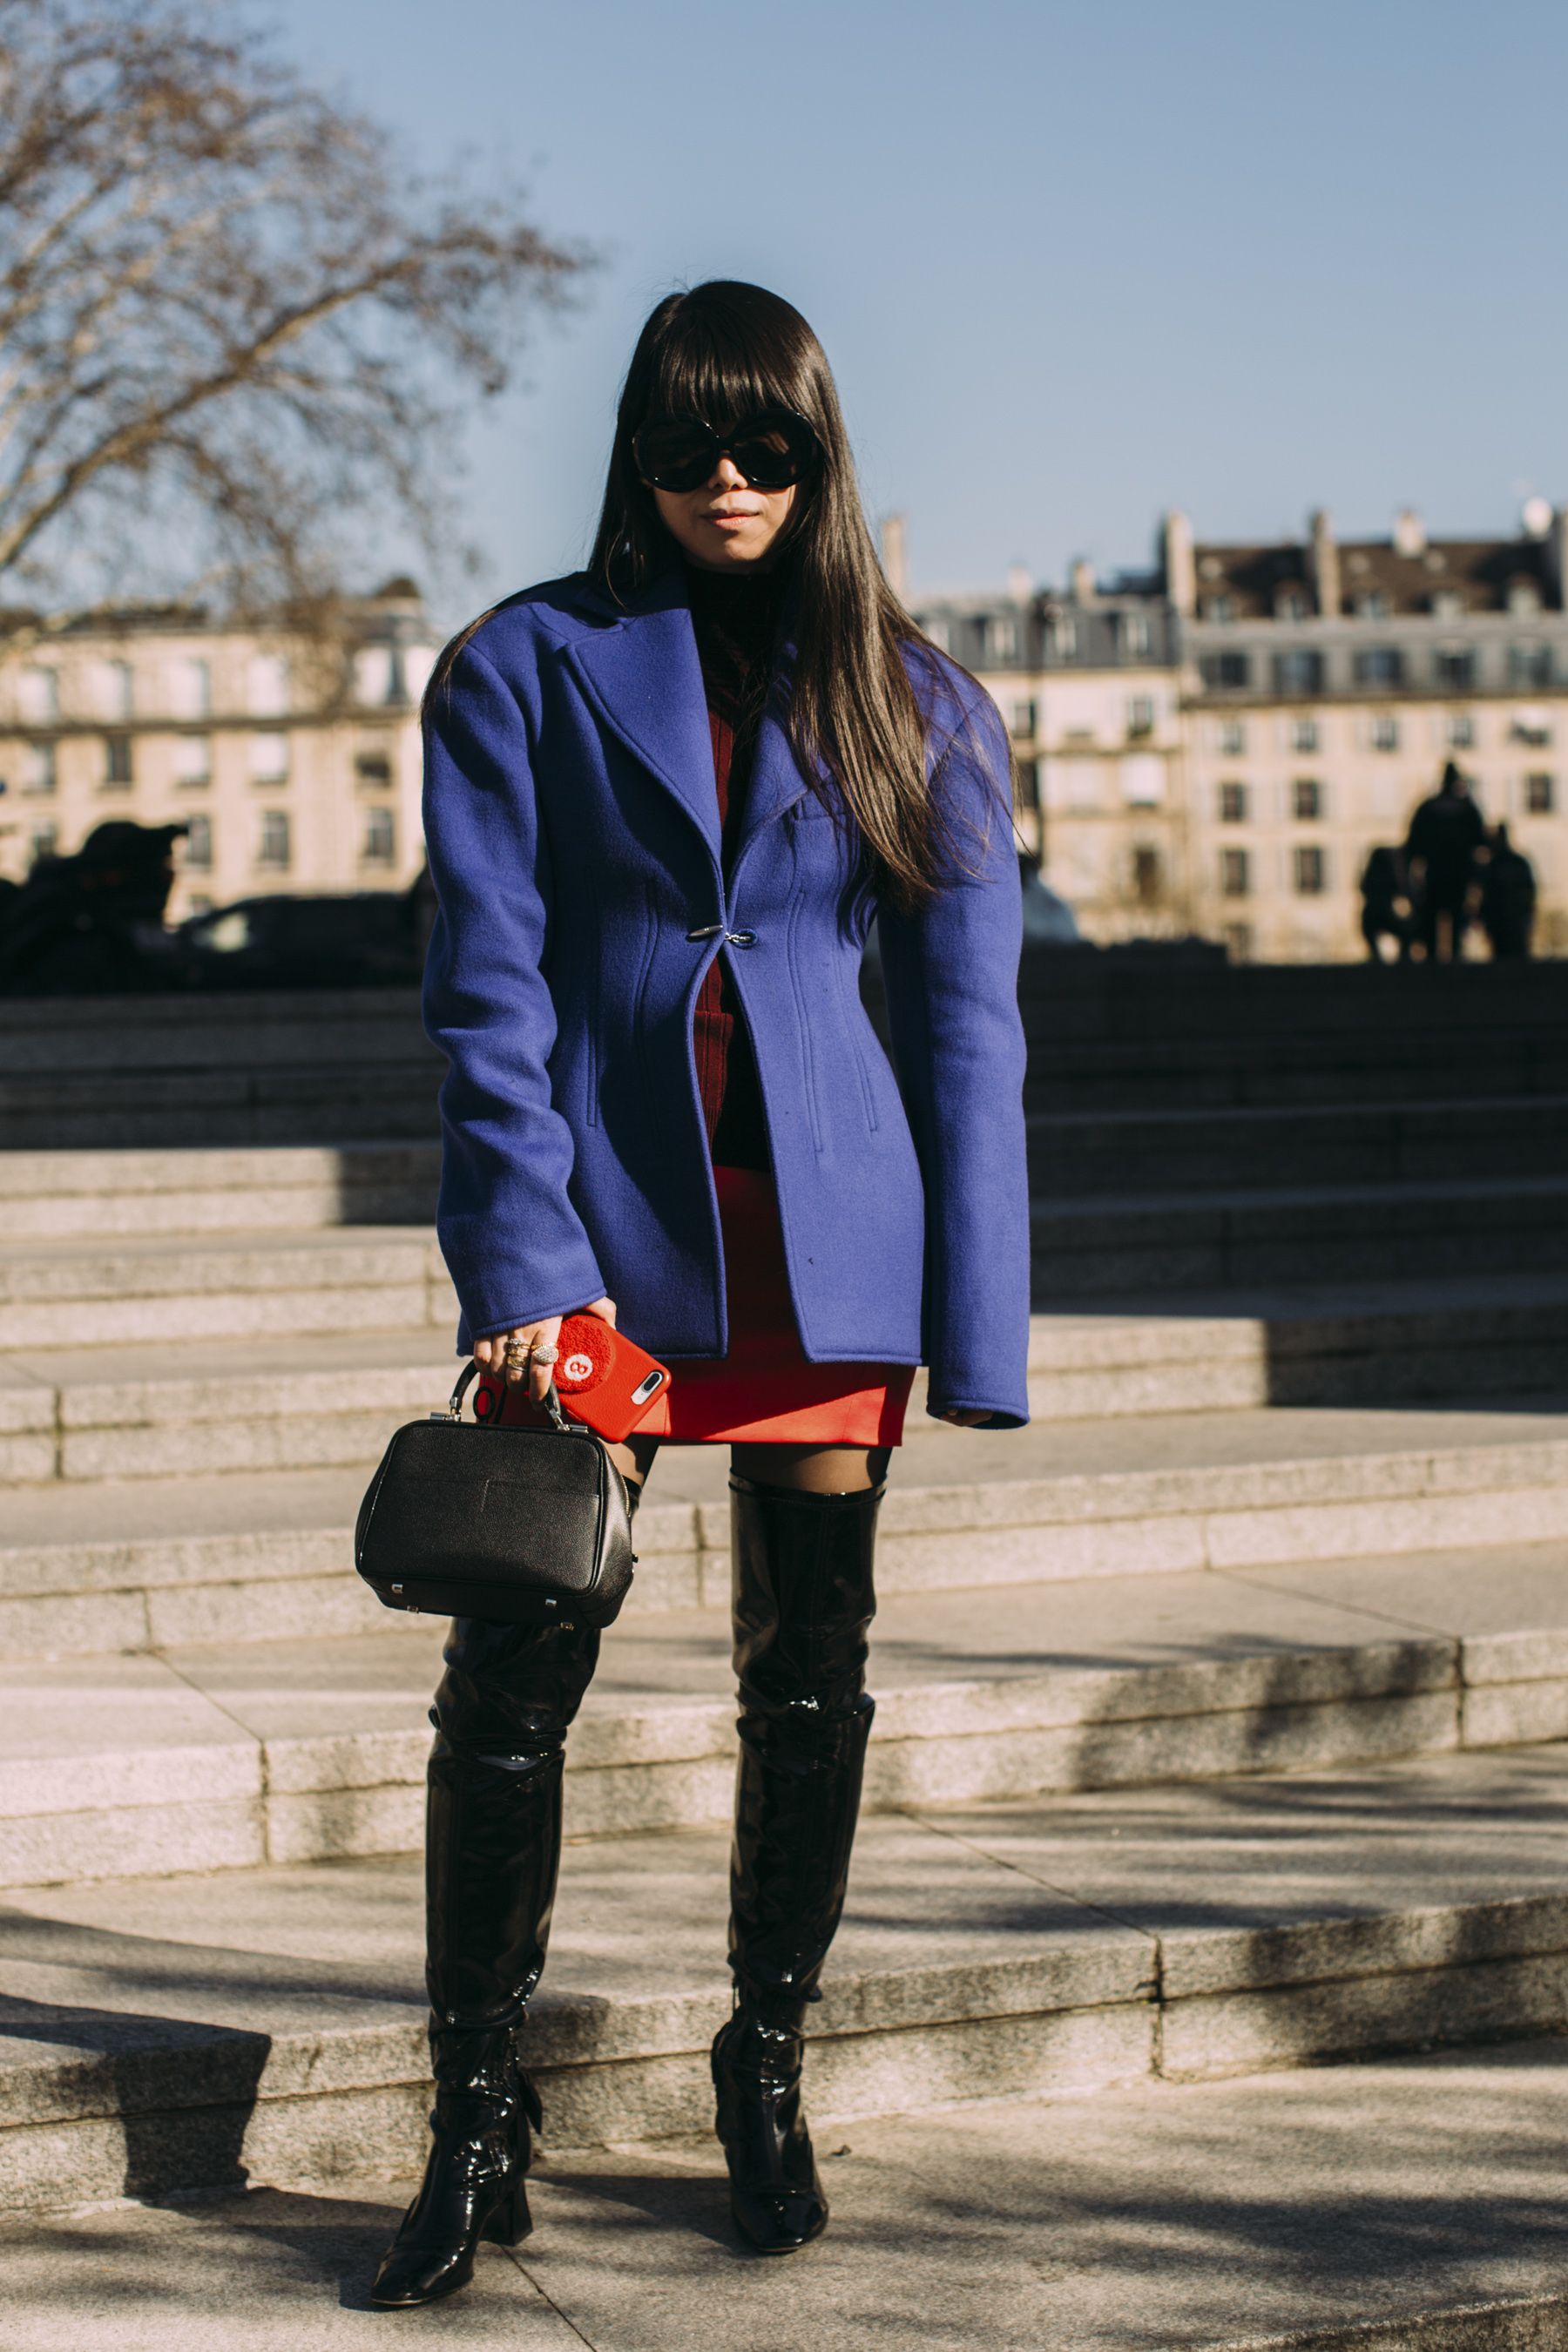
x: 726, y: 526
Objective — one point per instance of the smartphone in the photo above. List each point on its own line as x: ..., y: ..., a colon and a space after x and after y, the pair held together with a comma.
x: 603, y: 1378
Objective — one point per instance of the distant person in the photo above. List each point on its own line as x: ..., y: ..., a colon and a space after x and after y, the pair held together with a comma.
x: 1507, y: 898
x: 1446, y: 832
x: 1386, y: 912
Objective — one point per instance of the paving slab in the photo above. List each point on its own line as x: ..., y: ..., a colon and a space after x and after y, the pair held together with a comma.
x: 1412, y: 2205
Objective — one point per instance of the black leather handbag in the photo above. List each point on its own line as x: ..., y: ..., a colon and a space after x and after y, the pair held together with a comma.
x: 525, y: 1527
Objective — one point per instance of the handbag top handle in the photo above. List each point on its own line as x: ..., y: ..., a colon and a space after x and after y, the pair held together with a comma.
x: 465, y: 1378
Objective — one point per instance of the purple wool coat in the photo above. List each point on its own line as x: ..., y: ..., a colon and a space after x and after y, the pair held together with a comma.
x: 573, y: 828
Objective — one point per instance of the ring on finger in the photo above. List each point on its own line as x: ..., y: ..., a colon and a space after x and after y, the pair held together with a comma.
x: 545, y: 1355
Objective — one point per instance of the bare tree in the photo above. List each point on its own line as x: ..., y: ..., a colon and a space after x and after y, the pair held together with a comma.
x: 231, y: 328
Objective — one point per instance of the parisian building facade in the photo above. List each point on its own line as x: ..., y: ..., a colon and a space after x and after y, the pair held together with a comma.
x: 1217, y: 747
x: 294, y: 760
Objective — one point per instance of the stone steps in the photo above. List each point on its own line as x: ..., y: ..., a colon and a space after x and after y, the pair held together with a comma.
x: 190, y: 2033
x: 61, y: 1195
x: 1079, y: 1153
x: 1323, y: 1233
x: 332, y: 1396
x: 276, y: 1750
x: 91, y: 1565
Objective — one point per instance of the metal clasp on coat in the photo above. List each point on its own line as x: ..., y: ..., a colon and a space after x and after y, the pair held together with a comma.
x: 717, y: 931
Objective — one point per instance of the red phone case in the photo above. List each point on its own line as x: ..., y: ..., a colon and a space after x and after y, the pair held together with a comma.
x: 603, y: 1378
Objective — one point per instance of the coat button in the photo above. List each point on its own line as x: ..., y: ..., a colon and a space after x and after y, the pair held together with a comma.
x: 741, y: 939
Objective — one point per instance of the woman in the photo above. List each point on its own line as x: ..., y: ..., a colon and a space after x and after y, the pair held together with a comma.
x: 665, y: 798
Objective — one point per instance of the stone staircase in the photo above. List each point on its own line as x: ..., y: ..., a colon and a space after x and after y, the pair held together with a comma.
x: 1217, y: 1719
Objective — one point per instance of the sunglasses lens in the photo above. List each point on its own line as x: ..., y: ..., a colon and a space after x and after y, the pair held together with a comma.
x: 676, y: 453
x: 775, y: 449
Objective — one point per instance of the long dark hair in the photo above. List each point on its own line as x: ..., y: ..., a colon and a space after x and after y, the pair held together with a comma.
x: 722, y: 352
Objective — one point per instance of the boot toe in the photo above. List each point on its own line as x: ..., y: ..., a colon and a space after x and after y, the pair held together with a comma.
x: 779, y: 2221
x: 414, y: 2274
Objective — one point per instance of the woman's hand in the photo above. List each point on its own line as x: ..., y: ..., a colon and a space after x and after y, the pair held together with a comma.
x: 966, y: 1420
x: 491, y: 1352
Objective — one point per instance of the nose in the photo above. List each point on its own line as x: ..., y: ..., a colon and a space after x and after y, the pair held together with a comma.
x: 726, y: 474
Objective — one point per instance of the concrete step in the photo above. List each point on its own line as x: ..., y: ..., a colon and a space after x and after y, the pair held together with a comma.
x: 89, y: 1566
x: 226, y: 1284
x: 302, y: 1402
x: 1316, y: 1233
x: 229, y: 1756
x: 1411, y: 2204
x: 58, y: 1195
x: 1091, y: 1152
x: 269, y: 2024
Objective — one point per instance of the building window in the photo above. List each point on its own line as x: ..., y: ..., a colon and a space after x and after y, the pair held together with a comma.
x: 270, y: 759
x: 1029, y: 784
x: 1139, y: 714
x: 190, y: 689
x: 1020, y: 723
x: 267, y: 687
x: 199, y: 843
x: 378, y: 849
x: 1233, y: 738
x: 1523, y: 597
x: 1311, y: 873
x: 1235, y: 873
x: 1300, y: 672
x: 1219, y: 608
x: 1380, y: 666
x: 117, y: 775
x: 1239, y: 942
x: 1064, y: 637
x: 1134, y: 633
x: 1291, y: 605
x: 194, y: 761
x: 274, y: 849
x: 1455, y: 668
x: 38, y: 696
x: 1385, y: 734
x: 110, y: 687
x: 1461, y: 732
x: 38, y: 767
x: 373, y: 771
x: 1539, y: 795
x: 1529, y: 665
x: 1232, y: 804
x: 44, y: 840
x: 1307, y: 796
x: 375, y: 675
x: 1225, y: 673
x: 1001, y: 637
x: 1303, y: 735
x: 1531, y: 726
x: 1148, y: 881
x: 1372, y: 606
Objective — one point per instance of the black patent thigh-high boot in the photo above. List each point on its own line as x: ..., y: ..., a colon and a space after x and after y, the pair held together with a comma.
x: 492, y: 1854
x: 804, y: 1601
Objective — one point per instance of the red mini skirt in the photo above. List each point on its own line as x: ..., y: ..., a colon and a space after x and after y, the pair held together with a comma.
x: 764, y: 1392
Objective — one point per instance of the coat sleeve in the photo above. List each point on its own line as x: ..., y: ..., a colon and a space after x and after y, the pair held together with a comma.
x: 952, y: 977
x: 514, y: 1245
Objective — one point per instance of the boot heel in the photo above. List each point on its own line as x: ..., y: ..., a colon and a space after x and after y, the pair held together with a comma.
x: 511, y: 2222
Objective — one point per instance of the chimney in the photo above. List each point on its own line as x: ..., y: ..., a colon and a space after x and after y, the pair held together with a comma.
x: 1020, y: 584
x: 894, y: 562
x: 1409, y: 532
x: 1557, y: 555
x: 1181, y: 569
x: 1324, y: 564
x: 1083, y: 590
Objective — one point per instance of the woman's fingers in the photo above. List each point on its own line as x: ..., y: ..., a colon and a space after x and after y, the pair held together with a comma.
x: 539, y: 1376
x: 966, y: 1420
x: 605, y: 1308
x: 493, y: 1352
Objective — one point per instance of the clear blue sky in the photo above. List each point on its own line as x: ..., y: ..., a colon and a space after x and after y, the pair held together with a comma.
x: 1072, y: 265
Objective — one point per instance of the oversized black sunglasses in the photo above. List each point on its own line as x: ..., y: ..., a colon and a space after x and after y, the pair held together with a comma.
x: 772, y: 448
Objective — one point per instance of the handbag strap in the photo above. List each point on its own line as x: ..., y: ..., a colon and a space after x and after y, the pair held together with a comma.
x: 465, y: 1379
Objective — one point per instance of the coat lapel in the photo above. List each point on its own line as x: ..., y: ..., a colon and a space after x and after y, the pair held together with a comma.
x: 645, y: 679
